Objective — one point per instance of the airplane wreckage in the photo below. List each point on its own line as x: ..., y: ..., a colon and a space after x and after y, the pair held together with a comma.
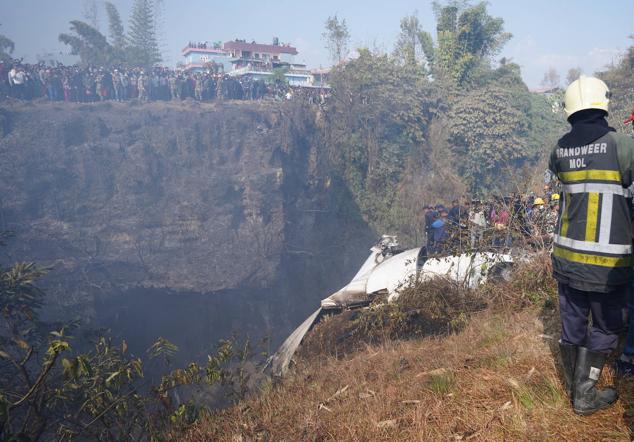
x: 387, y: 270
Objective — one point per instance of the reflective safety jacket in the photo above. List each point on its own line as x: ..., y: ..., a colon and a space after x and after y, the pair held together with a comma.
x: 592, y: 248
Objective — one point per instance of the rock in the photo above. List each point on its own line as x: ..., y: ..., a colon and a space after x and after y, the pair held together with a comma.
x: 135, y: 207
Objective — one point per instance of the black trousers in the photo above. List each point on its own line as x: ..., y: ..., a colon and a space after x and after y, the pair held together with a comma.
x: 607, y: 311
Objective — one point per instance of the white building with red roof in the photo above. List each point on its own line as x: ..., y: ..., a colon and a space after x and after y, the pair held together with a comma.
x: 255, y: 60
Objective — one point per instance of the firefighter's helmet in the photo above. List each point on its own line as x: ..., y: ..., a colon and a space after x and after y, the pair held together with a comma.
x: 586, y: 93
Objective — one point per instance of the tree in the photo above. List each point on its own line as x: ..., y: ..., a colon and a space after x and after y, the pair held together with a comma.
x: 159, y: 25
x: 278, y: 76
x: 139, y: 49
x: 144, y: 46
x: 115, y: 26
x: 508, y: 74
x: 551, y: 79
x: 408, y: 47
x: 90, y: 12
x: 573, y: 74
x: 486, y: 129
x: 337, y: 39
x: 480, y: 34
x: 6, y: 48
x: 379, y: 114
x: 90, y: 44
x: 466, y: 36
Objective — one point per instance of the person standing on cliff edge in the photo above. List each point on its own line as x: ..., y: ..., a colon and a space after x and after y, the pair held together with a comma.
x: 592, y: 251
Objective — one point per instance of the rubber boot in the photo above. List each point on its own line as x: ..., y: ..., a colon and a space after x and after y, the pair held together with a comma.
x: 568, y: 362
x: 587, y: 399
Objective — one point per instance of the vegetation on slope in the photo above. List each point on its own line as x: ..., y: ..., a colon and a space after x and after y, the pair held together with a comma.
x: 56, y: 385
x: 620, y: 78
x: 435, y: 120
x: 492, y: 377
x: 406, y: 133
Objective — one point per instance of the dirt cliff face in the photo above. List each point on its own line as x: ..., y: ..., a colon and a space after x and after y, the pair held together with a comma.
x: 228, y: 200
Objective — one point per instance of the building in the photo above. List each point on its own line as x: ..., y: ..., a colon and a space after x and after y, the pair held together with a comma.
x: 202, y: 56
x: 255, y: 60
x: 260, y: 54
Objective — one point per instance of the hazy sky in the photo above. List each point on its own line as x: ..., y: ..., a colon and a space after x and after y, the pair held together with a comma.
x: 557, y: 33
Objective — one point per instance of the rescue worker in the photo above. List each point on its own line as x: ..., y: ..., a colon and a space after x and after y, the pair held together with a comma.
x: 592, y: 252
x: 538, y: 204
x: 538, y: 217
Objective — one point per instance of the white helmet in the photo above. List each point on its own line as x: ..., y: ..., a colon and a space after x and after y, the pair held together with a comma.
x: 586, y: 93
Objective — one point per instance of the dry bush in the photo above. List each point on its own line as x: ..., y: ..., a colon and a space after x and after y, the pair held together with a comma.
x: 440, y: 300
x: 435, y: 307
x: 531, y: 284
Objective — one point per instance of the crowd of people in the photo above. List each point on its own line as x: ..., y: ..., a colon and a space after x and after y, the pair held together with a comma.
x: 492, y: 224
x: 92, y: 84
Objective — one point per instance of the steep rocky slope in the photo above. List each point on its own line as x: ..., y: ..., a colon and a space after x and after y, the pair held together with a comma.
x: 185, y: 220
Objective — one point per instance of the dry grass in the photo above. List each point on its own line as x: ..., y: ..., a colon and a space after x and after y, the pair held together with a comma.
x: 495, y: 379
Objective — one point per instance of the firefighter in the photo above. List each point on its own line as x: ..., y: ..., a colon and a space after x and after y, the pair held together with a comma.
x: 592, y: 252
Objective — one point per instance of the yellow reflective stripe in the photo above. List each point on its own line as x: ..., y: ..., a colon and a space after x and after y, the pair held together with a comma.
x: 590, y: 174
x: 564, y: 216
x: 584, y: 258
x: 592, y: 216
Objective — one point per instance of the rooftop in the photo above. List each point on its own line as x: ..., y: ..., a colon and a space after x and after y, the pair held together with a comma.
x: 207, y: 50
x: 257, y: 47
